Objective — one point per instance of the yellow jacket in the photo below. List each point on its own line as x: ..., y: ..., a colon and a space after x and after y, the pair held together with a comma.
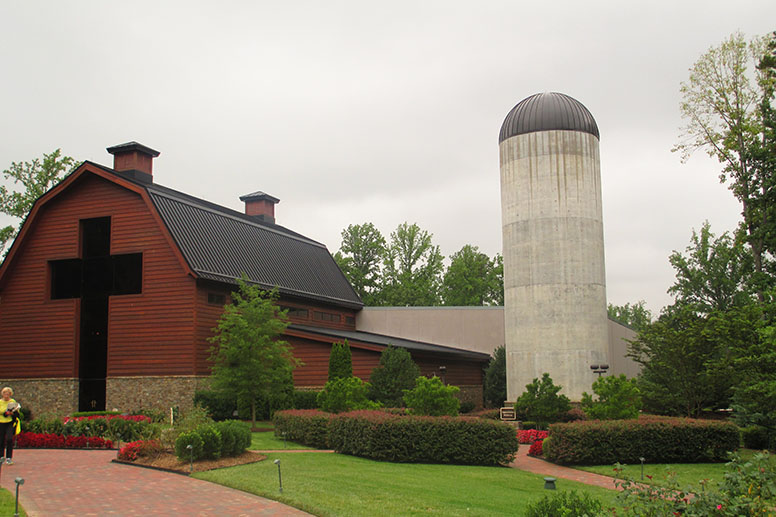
x: 3, y: 406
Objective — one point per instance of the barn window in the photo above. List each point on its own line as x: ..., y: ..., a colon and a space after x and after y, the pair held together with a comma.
x: 216, y: 299
x: 350, y: 320
x: 65, y: 279
x: 296, y: 312
x: 326, y: 316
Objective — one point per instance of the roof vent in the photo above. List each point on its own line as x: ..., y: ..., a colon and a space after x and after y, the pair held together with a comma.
x: 260, y: 205
x: 134, y: 160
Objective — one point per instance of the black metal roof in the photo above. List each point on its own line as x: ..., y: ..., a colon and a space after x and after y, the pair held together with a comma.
x: 380, y: 339
x: 221, y: 244
x: 545, y: 112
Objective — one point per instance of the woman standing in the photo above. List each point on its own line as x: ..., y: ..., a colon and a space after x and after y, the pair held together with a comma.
x: 9, y: 413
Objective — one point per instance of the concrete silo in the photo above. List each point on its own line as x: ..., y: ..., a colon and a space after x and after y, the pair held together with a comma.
x: 554, y: 280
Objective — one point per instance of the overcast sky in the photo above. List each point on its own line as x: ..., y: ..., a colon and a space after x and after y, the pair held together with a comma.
x: 358, y: 111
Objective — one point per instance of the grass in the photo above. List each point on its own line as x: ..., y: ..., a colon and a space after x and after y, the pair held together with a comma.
x: 335, y: 484
x: 686, y: 473
x: 268, y: 442
x: 8, y: 503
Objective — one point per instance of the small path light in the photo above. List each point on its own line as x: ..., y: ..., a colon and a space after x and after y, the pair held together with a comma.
x: 86, y: 429
x: 191, y: 457
x: 549, y: 483
x: 19, y: 481
x: 442, y: 372
x: 642, y: 468
x: 280, y: 478
x: 284, y: 439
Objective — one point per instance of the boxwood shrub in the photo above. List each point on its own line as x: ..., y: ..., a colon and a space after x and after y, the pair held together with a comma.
x: 656, y: 439
x: 421, y: 439
x: 306, y: 426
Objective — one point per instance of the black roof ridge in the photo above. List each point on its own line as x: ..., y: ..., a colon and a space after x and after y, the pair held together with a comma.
x: 210, y: 206
x: 343, y: 332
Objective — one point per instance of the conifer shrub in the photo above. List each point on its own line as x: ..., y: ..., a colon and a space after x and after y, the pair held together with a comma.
x: 396, y: 372
x: 185, y: 439
x: 306, y: 426
x: 340, y: 361
x: 495, y: 384
x: 657, y: 439
x: 240, y: 437
x: 541, y: 403
x: 417, y: 439
x: 305, y: 399
x: 211, y: 441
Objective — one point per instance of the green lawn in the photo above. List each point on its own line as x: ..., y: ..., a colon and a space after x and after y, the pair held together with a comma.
x: 268, y: 442
x: 335, y: 484
x: 686, y: 473
x: 8, y: 503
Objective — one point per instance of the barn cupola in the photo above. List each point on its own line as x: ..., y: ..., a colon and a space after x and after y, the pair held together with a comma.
x: 134, y: 160
x: 260, y: 205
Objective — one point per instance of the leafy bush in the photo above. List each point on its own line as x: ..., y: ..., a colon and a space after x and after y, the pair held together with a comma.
x: 211, y: 441
x: 467, y: 406
x: 755, y: 437
x: 306, y: 426
x: 618, y: 399
x: 305, y: 399
x: 340, y: 361
x: 495, y: 384
x: 140, y: 449
x: 397, y: 372
x: 573, y: 414
x: 540, y: 401
x: 417, y: 439
x: 566, y: 504
x: 536, y: 448
x: 431, y: 397
x: 219, y: 405
x: 78, y: 414
x: 235, y: 437
x: 126, y: 430
x: 345, y: 394
x: 657, y: 439
x: 531, y: 435
x: 184, y: 440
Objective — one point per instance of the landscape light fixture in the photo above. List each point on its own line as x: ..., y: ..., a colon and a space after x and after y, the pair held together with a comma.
x: 442, y: 372
x: 18, y: 481
x: 600, y: 369
x: 642, y: 467
x: 191, y: 457
x: 280, y: 478
x: 549, y: 483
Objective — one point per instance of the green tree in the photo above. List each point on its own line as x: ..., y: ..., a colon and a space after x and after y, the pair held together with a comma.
x: 249, y: 361
x: 722, y: 103
x: 345, y: 394
x: 713, y: 273
x: 396, y: 372
x: 34, y: 178
x: 469, y: 279
x: 360, y: 257
x: 495, y: 385
x: 412, y: 268
x: 618, y: 399
x: 541, y: 403
x: 635, y: 316
x: 340, y: 361
x: 432, y: 397
x: 497, y: 280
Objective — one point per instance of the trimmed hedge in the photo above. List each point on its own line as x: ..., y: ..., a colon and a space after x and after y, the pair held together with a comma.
x: 211, y: 441
x: 656, y: 439
x: 420, y: 439
x: 306, y: 426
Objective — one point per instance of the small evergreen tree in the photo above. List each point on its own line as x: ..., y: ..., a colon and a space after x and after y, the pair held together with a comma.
x: 540, y: 401
x: 495, y: 388
x: 397, y: 372
x: 431, y: 397
x: 340, y: 361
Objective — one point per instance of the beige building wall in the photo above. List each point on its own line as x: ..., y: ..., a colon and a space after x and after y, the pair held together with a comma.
x: 480, y: 329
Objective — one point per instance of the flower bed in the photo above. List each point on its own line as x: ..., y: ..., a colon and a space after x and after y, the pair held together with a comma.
x: 131, y: 418
x: 531, y: 435
x: 56, y: 441
x: 536, y: 448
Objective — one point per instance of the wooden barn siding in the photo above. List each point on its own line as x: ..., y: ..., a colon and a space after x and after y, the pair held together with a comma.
x: 206, y: 320
x: 149, y: 334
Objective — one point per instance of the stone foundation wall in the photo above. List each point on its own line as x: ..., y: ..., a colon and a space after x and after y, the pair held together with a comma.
x: 471, y: 393
x: 45, y: 396
x: 129, y: 393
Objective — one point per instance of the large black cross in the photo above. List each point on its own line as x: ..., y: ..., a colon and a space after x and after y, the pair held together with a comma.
x: 93, y: 278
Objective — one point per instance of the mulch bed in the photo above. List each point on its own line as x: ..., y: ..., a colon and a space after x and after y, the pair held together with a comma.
x: 169, y: 462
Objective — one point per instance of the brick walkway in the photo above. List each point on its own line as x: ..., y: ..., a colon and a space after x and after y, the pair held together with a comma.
x: 86, y: 483
x: 538, y: 466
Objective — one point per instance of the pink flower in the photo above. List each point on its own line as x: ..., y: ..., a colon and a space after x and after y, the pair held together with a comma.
x: 719, y: 507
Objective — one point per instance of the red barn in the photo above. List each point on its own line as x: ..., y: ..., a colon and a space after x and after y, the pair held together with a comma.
x: 113, y: 286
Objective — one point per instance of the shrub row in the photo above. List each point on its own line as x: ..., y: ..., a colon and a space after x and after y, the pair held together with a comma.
x: 212, y: 441
x: 125, y: 428
x: 386, y: 436
x: 55, y: 441
x: 656, y: 439
x: 306, y: 426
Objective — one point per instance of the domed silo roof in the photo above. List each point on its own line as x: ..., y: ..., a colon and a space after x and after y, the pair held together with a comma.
x: 546, y: 112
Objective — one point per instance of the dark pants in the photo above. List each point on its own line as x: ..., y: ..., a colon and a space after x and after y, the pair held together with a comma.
x: 7, y: 434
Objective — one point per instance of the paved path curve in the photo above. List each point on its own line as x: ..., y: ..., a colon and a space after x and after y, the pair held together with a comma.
x: 86, y: 483
x: 538, y: 466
